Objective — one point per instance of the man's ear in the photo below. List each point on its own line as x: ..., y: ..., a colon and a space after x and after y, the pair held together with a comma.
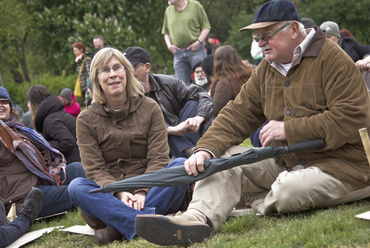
x: 147, y: 67
x: 295, y: 30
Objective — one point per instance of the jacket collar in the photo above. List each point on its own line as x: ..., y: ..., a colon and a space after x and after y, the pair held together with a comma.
x: 130, y: 106
x: 314, y: 47
x: 154, y: 86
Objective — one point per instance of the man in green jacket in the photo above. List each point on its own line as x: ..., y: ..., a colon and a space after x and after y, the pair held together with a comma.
x: 308, y: 88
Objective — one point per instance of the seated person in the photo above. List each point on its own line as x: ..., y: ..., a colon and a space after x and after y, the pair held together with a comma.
x: 332, y: 105
x: 53, y: 122
x: 69, y: 101
x: 126, y: 138
x: 10, y: 232
x: 27, y: 117
x: 186, y: 108
x: 33, y: 163
x: 200, y: 78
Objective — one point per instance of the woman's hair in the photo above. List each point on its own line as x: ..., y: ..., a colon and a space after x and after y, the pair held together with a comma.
x: 35, y: 95
x: 80, y: 46
x: 101, y: 59
x: 229, y: 67
x: 345, y: 33
x: 14, y: 113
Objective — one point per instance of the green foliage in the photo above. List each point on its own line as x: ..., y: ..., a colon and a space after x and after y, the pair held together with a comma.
x: 55, y: 84
x: 16, y: 24
x: 350, y: 14
x: 122, y: 23
x: 241, y: 41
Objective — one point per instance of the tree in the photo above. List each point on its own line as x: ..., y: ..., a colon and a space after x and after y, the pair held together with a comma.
x: 122, y: 23
x: 349, y: 14
x: 16, y: 24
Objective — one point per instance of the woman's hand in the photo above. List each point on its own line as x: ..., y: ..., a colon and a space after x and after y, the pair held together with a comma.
x: 136, y: 201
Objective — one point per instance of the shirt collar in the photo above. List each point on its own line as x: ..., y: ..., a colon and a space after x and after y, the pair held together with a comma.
x: 298, y: 51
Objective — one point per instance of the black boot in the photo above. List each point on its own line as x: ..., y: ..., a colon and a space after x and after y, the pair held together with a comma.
x: 3, y: 219
x: 32, y: 205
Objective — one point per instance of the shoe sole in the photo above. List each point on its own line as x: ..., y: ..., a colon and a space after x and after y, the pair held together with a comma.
x: 161, y: 231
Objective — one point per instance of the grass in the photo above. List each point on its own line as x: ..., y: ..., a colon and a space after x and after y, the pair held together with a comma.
x: 332, y: 227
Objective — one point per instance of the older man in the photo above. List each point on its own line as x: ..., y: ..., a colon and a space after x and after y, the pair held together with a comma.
x: 186, y: 108
x: 308, y: 88
x: 200, y: 78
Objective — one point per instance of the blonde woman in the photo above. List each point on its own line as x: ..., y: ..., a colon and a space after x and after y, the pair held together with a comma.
x: 121, y: 134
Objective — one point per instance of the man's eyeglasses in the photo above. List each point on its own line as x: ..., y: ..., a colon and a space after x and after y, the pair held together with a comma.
x: 106, y: 71
x: 198, y: 72
x: 4, y: 101
x: 269, y: 36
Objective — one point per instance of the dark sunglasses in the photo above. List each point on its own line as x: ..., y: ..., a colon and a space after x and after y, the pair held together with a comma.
x: 4, y: 101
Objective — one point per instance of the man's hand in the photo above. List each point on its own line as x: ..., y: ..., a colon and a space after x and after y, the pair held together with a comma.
x: 173, y: 49
x: 274, y: 130
x: 194, y: 46
x: 364, y: 64
x: 193, y: 124
x: 190, y: 125
x: 195, y: 162
x: 136, y: 201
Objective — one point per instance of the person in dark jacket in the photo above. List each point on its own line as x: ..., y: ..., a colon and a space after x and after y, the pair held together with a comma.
x: 31, y: 163
x: 186, y: 108
x: 349, y: 44
x: 56, y: 125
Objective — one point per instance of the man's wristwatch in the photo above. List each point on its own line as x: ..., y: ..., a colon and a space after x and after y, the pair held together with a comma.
x: 199, y: 41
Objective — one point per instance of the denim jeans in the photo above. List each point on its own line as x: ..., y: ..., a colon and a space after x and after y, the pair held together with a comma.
x: 184, y: 60
x: 12, y: 231
x: 178, y: 144
x: 109, y: 209
x: 55, y: 200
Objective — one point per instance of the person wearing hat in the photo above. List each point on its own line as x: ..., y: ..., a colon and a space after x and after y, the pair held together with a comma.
x: 349, y: 44
x: 186, y: 108
x: 200, y: 78
x: 308, y: 88
x: 33, y: 175
x: 69, y: 101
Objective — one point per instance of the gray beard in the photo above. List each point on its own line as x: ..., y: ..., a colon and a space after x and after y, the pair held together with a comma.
x: 201, y: 81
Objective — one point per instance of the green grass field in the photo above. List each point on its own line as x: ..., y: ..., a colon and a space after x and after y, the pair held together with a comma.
x: 333, y: 227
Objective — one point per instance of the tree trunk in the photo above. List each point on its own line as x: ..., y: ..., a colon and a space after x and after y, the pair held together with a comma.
x: 22, y: 61
x: 13, y: 69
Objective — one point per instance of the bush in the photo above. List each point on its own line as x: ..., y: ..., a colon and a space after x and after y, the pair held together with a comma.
x: 55, y: 84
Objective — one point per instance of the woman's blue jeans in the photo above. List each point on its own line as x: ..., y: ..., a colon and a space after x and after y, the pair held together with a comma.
x: 55, y: 200
x: 109, y: 209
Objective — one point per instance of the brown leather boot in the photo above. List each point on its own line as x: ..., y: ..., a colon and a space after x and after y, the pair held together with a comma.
x: 107, y: 235
x: 94, y: 224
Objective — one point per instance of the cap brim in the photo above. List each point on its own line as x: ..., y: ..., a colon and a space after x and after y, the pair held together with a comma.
x: 257, y: 25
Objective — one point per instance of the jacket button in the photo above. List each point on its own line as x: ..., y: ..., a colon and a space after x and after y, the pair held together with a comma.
x: 302, y: 161
x: 288, y: 112
x: 287, y: 83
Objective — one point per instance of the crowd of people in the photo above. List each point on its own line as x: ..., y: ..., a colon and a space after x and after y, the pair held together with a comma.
x: 300, y: 87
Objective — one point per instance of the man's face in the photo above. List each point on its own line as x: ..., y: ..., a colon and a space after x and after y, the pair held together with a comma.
x: 199, y: 73
x: 172, y: 2
x: 98, y: 43
x: 275, y: 46
x: 332, y: 38
x: 200, y: 76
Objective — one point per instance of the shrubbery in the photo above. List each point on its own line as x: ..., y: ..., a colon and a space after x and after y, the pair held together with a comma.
x: 55, y: 84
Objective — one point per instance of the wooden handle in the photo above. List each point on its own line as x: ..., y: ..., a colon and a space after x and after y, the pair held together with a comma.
x: 365, y: 141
